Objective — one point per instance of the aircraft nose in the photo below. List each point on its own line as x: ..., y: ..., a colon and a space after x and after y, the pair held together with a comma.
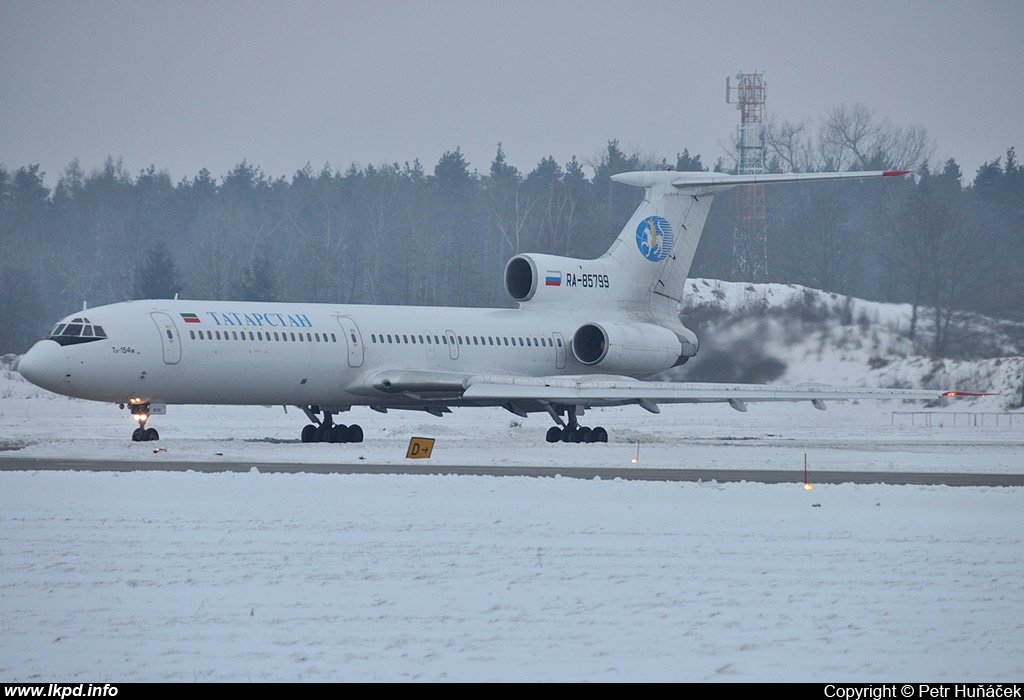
x: 45, y: 364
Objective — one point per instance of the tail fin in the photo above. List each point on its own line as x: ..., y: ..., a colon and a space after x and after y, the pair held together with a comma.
x: 644, y: 272
x: 655, y: 249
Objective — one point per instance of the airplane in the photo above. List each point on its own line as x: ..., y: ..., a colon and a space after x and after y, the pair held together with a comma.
x: 584, y: 333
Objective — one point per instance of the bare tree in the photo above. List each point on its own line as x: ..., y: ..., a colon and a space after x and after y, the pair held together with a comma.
x: 790, y: 145
x: 853, y: 138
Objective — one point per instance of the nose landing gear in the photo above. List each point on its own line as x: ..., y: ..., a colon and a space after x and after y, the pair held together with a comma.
x: 140, y: 413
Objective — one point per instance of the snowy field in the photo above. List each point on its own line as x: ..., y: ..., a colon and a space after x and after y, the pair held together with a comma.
x: 159, y: 576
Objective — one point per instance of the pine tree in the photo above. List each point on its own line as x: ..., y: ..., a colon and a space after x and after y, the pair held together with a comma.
x: 158, y: 278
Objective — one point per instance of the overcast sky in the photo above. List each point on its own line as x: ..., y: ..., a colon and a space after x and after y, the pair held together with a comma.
x: 186, y: 84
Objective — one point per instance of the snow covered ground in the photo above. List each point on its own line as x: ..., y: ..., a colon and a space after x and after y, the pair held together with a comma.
x: 248, y: 576
x: 159, y: 576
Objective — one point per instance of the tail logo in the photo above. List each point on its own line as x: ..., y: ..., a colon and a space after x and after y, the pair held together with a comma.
x: 654, y: 238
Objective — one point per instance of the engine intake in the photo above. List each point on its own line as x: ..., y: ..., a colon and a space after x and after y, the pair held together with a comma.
x: 520, y: 278
x: 627, y: 348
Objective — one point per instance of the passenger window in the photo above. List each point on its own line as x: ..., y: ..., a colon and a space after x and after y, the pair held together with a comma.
x: 192, y: 334
x: 421, y: 339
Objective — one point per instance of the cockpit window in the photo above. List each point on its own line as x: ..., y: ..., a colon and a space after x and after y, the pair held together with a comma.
x: 78, y: 330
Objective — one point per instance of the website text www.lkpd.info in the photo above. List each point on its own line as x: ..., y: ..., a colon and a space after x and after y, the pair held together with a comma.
x: 60, y: 690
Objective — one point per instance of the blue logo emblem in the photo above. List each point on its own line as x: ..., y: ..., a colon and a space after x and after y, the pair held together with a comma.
x: 654, y: 238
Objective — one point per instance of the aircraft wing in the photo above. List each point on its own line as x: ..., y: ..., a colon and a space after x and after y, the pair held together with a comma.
x: 611, y: 390
x: 608, y: 390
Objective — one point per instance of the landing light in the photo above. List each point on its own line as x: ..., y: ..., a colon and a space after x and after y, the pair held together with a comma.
x: 140, y: 417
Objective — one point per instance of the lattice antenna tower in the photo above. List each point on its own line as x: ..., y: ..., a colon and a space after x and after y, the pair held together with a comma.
x: 750, y: 248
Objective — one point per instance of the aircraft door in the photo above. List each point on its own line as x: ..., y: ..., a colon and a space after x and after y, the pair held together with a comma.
x: 169, y: 337
x: 353, y: 339
x: 453, y: 349
x: 559, y: 351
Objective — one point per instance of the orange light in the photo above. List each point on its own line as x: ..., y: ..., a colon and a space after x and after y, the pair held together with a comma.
x: 808, y: 487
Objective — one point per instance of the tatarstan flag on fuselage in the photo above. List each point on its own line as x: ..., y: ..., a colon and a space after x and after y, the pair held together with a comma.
x: 190, y: 318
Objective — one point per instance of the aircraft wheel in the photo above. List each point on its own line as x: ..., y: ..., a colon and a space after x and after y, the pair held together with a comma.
x: 355, y: 433
x: 322, y: 433
x: 569, y: 434
x: 309, y: 433
x: 554, y: 434
x: 339, y: 433
x: 585, y: 435
x: 600, y: 435
x: 151, y: 434
x: 138, y: 435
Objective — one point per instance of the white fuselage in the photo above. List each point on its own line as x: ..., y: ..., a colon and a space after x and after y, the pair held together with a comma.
x: 210, y: 352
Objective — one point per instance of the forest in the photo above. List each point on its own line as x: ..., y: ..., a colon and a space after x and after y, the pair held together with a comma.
x: 402, y: 234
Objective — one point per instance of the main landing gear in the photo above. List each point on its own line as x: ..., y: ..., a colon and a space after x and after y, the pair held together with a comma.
x: 325, y: 430
x: 571, y: 431
x: 140, y: 413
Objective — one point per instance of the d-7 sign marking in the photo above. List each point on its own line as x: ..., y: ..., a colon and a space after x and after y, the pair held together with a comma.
x: 419, y: 448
